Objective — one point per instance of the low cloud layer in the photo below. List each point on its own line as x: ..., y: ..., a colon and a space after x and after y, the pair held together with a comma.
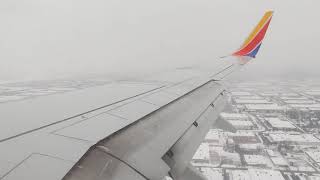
x: 42, y: 39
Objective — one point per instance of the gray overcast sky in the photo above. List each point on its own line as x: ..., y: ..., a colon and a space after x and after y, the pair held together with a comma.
x: 42, y: 39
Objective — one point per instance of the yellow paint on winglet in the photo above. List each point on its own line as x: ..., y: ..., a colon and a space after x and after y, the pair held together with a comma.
x: 256, y: 30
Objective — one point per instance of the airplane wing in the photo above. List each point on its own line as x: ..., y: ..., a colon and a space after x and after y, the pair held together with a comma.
x: 145, y: 128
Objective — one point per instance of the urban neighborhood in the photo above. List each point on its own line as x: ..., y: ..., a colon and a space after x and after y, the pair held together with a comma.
x: 274, y: 134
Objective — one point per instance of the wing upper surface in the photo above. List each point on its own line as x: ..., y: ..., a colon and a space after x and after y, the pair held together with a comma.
x: 60, y: 128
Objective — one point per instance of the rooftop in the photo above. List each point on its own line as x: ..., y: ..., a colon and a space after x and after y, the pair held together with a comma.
x: 293, y: 98
x: 314, y: 155
x: 202, y: 152
x: 269, y: 94
x: 298, y: 138
x: 278, y: 123
x: 302, y: 101
x: 305, y: 105
x: 239, y: 123
x: 255, y: 160
x: 216, y: 136
x: 264, y: 107
x: 249, y: 97
x: 255, y: 174
x: 279, y: 161
x: 259, y: 174
x: 242, y: 133
x: 290, y: 94
x: 240, y: 93
x: 244, y: 138
x: 231, y: 116
x: 252, y: 101
x: 212, y: 173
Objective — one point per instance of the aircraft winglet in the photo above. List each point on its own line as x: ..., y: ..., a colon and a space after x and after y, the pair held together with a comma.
x: 251, y: 45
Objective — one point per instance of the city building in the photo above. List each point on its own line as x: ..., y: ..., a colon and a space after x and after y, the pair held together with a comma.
x: 234, y: 116
x: 202, y: 156
x: 255, y: 160
x: 240, y: 93
x: 251, y: 101
x: 299, y: 101
x: 242, y: 125
x: 298, y: 163
x: 255, y: 174
x: 278, y: 124
x: 292, y: 138
x: 277, y: 134
x: 212, y: 173
x: 250, y: 148
x: 279, y: 161
x: 226, y: 159
x: 265, y: 108
x: 215, y: 137
x: 252, y: 97
x: 241, y: 137
x: 314, y: 156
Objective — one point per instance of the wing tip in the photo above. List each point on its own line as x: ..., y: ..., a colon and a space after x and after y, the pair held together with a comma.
x: 252, y: 44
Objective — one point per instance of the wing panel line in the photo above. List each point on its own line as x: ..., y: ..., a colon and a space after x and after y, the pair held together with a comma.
x: 57, y: 122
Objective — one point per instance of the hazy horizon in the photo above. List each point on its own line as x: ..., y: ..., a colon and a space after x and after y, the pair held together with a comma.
x: 64, y: 38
